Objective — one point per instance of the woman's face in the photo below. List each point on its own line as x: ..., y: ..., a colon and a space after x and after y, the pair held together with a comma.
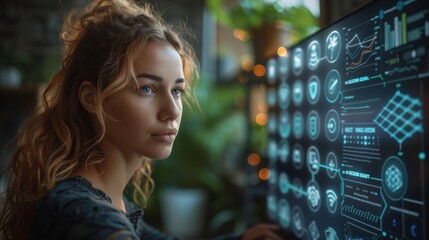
x: 146, y: 117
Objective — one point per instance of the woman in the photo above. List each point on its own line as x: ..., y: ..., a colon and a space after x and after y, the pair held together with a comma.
x: 115, y: 104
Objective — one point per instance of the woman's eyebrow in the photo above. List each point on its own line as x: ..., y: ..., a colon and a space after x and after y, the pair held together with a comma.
x: 157, y: 78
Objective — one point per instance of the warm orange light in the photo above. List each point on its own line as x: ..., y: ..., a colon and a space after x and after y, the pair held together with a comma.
x: 259, y: 70
x: 240, y: 34
x: 247, y: 64
x: 253, y: 159
x: 264, y: 174
x: 282, y: 51
x: 261, y: 119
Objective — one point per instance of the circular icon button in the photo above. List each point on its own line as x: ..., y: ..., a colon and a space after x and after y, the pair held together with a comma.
x: 332, y: 86
x: 332, y: 125
x: 298, y: 61
x: 313, y: 89
x: 313, y: 125
x: 333, y: 46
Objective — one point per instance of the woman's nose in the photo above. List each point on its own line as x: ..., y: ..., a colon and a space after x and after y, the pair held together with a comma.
x: 171, y: 108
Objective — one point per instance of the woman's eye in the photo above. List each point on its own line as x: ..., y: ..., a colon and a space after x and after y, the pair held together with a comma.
x: 177, y: 92
x: 146, y: 89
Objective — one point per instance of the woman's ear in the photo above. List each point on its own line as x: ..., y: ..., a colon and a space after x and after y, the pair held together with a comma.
x: 87, y: 96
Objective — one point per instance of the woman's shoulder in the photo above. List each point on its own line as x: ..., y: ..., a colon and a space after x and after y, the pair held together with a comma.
x: 75, y: 203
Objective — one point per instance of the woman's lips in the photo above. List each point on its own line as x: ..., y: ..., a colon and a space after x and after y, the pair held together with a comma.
x: 165, y: 136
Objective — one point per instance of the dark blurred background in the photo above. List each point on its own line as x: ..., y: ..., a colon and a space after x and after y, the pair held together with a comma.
x: 216, y: 174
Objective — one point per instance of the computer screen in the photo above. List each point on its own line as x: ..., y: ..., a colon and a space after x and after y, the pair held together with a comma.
x: 348, y: 124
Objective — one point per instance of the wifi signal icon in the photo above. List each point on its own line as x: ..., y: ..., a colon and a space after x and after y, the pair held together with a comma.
x: 331, y: 200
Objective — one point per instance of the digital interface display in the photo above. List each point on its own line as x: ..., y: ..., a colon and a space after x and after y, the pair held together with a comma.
x: 348, y: 115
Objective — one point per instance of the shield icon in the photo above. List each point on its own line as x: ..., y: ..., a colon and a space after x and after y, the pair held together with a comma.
x: 313, y: 90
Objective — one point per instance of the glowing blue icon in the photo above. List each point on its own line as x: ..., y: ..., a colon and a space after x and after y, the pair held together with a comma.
x: 298, y: 61
x: 283, y: 67
x: 284, y: 125
x: 332, y: 125
x: 332, y: 85
x: 314, y: 230
x: 313, y: 125
x: 313, y: 196
x: 413, y: 230
x: 298, y: 93
x: 313, y: 89
x: 272, y: 150
x: 333, y: 46
x: 313, y: 160
x: 298, y: 188
x: 313, y: 55
x: 297, y: 156
x: 331, y: 200
x: 298, y: 125
x: 271, y: 70
x: 283, y: 183
x: 284, y: 96
x: 298, y: 221
x: 331, y: 234
x: 272, y: 123
x: 332, y: 163
x: 394, y: 178
x: 284, y: 213
x: 284, y: 151
x: 272, y: 206
x: 271, y: 97
x: 273, y: 177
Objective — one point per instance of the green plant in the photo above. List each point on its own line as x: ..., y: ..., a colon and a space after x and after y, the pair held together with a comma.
x: 253, y: 14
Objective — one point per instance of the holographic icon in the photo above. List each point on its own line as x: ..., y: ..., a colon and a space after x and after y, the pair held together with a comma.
x: 271, y: 70
x: 313, y: 196
x: 298, y: 125
x: 298, y: 188
x: 314, y: 230
x: 284, y: 96
x: 313, y: 89
x: 333, y: 46
x: 313, y: 55
x: 401, y: 117
x: 394, y: 178
x: 285, y: 125
x: 313, y: 125
x: 271, y: 97
x: 272, y: 180
x: 298, y: 93
x: 298, y: 61
x: 298, y: 221
x: 331, y: 234
x: 332, y: 125
x: 284, y: 151
x: 283, y: 68
x: 272, y: 206
x: 331, y: 200
x: 272, y: 150
x: 313, y: 160
x: 284, y: 213
x: 297, y: 156
x: 332, y: 163
x: 283, y: 183
x: 332, y: 85
x: 272, y: 123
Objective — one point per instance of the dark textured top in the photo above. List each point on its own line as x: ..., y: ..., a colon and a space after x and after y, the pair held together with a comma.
x: 76, y: 210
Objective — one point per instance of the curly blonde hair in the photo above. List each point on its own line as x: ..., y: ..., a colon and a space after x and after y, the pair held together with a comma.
x: 99, y: 45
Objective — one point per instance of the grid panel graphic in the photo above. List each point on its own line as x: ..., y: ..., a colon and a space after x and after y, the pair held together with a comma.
x: 401, y: 117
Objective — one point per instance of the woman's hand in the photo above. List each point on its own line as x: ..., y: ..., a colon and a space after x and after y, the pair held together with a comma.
x: 261, y: 231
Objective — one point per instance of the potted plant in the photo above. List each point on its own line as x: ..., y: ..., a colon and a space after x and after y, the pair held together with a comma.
x: 268, y: 23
